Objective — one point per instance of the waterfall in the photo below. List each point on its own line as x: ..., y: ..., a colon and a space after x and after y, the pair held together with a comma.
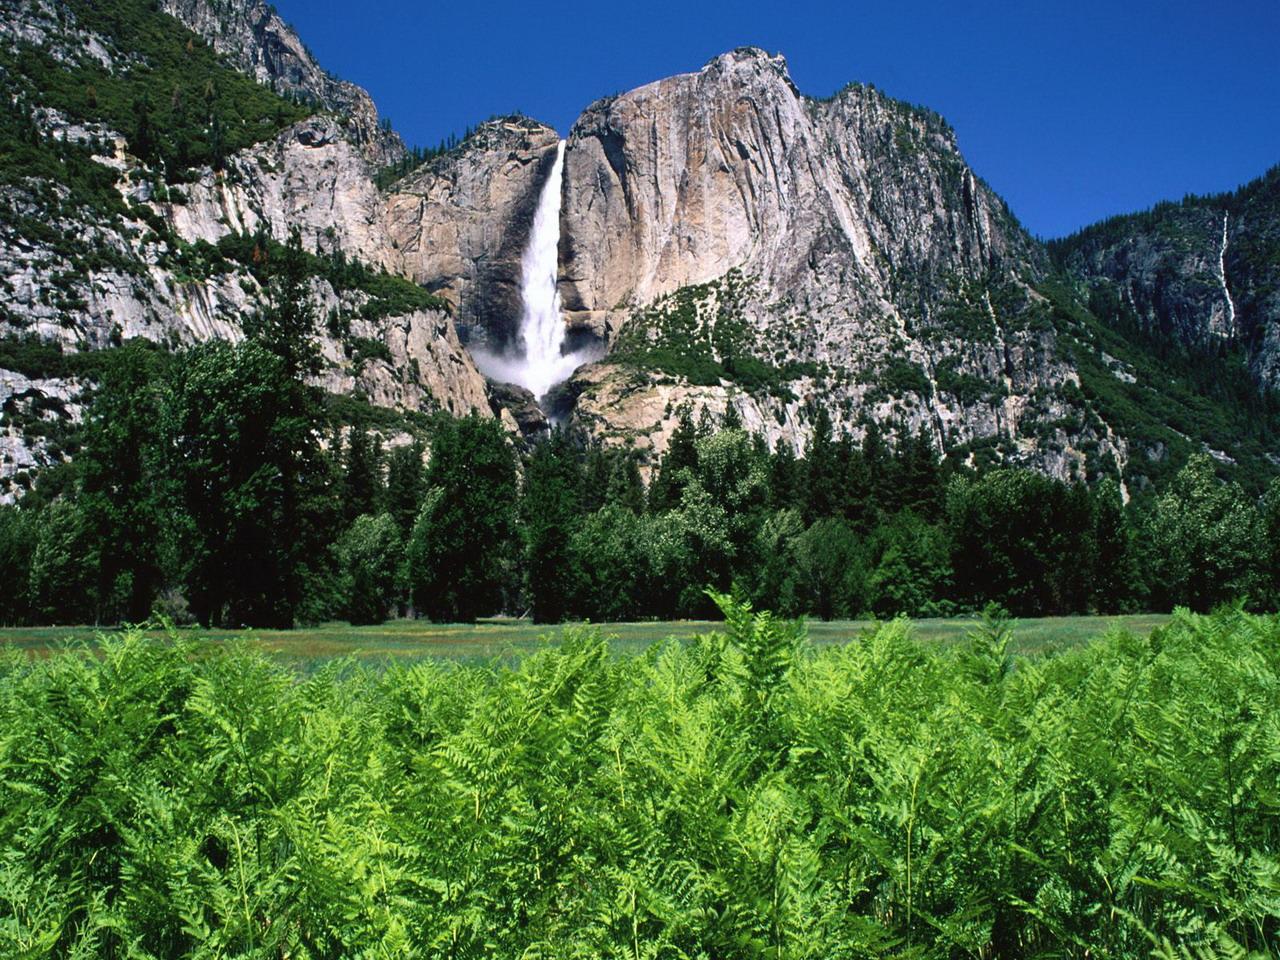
x: 1222, y: 273
x: 541, y: 362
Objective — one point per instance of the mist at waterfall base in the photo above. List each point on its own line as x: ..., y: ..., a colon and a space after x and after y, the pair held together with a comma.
x: 538, y: 361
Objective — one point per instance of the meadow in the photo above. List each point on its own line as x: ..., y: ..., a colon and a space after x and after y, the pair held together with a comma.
x: 503, y: 638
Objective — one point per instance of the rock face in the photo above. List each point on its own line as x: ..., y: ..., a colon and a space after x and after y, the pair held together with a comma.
x: 311, y: 177
x: 1203, y: 274
x: 842, y: 250
x: 681, y: 180
x: 28, y: 407
x: 254, y: 37
x: 460, y: 223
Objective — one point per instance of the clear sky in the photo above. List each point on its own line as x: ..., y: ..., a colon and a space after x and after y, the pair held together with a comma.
x: 1071, y: 110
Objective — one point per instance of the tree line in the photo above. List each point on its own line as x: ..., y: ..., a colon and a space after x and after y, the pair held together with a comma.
x: 215, y: 484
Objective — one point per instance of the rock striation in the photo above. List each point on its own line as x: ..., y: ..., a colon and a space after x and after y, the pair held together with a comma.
x: 870, y: 267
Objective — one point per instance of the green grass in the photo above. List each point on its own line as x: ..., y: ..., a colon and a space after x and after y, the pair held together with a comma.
x: 505, y: 638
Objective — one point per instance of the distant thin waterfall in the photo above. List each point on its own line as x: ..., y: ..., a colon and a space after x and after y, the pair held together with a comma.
x: 1222, y: 273
x: 542, y: 363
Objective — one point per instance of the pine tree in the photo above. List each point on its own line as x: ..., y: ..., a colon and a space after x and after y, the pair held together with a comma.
x: 785, y: 483
x: 822, y: 471
x: 362, y: 486
x: 406, y: 486
x: 550, y: 509
x: 123, y: 490
x: 680, y: 459
x: 462, y: 548
x: 1115, y: 574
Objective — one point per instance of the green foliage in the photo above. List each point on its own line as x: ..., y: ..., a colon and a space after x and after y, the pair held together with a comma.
x: 1202, y: 541
x: 123, y: 484
x: 362, y: 485
x: 550, y: 510
x: 831, y: 570
x: 1022, y: 540
x: 244, y: 467
x: 177, y: 102
x: 369, y: 559
x: 700, y: 333
x: 1174, y: 403
x: 742, y: 795
x: 382, y: 294
x: 463, y: 542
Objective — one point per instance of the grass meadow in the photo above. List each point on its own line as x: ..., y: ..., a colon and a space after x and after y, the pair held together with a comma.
x: 499, y: 639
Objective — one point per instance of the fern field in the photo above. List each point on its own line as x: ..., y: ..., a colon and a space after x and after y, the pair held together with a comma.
x: 739, y: 796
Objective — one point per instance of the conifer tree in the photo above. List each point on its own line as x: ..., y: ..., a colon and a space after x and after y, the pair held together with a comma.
x: 550, y: 510
x: 680, y: 459
x: 822, y: 471
x: 406, y: 486
x: 362, y: 485
x: 463, y: 545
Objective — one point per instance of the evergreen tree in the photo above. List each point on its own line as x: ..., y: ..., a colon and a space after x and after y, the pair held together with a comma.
x: 1115, y: 573
x: 287, y: 326
x: 406, y: 486
x: 677, y: 464
x: 550, y: 510
x: 823, y: 492
x: 17, y: 545
x: 362, y: 487
x: 626, y: 488
x: 1022, y: 540
x: 597, y: 470
x: 832, y: 569
x: 462, y: 547
x: 732, y: 419
x: 786, y: 487
x: 250, y: 481
x: 919, y: 475
x: 123, y: 490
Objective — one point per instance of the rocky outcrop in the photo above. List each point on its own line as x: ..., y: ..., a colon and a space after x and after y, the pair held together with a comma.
x: 838, y: 251
x: 1203, y: 273
x: 254, y: 37
x: 31, y: 412
x: 679, y: 181
x: 311, y: 178
x: 461, y: 222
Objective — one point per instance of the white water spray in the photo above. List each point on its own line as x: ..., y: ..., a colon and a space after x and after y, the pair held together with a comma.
x: 543, y: 362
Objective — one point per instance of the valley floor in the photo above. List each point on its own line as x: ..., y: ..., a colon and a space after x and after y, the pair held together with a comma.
x: 501, y: 638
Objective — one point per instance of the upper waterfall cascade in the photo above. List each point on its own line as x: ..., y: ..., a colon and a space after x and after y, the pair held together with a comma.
x: 542, y: 362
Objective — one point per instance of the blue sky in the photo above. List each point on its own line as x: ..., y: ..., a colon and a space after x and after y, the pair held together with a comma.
x: 1072, y: 111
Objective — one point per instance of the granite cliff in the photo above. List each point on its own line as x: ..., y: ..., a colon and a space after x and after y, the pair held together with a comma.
x: 1202, y: 274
